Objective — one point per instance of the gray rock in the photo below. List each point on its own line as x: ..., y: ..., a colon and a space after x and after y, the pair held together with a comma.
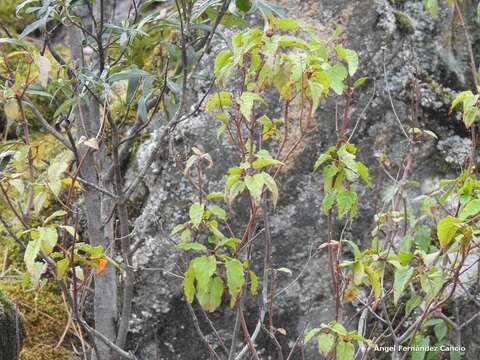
x: 12, y: 329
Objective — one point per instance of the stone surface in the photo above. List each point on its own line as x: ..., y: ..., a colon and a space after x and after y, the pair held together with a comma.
x: 399, y: 53
x: 12, y: 329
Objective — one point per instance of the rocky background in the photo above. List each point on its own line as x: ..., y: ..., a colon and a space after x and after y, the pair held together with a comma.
x: 406, y: 55
x: 404, y: 52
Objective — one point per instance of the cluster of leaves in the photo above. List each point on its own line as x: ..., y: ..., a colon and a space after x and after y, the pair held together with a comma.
x: 333, y: 337
x: 471, y: 106
x: 341, y: 171
x: 302, y: 70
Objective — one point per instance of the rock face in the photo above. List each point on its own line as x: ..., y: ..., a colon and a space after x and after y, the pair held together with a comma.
x: 403, y: 52
x: 12, y: 330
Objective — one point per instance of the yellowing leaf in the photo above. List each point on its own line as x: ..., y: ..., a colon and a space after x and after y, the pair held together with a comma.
x: 253, y: 282
x: 374, y: 278
x: 101, y: 265
x: 188, y: 284
x: 446, y: 230
x: 11, y: 109
x: 219, y: 100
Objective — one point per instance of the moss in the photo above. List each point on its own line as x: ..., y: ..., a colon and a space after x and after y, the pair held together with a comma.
x: 44, y: 312
x: 404, y: 22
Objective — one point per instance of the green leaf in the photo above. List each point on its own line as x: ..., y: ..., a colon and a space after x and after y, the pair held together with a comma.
x: 420, y: 342
x: 350, y: 57
x: 36, y: 273
x: 325, y: 343
x: 229, y: 242
x: 186, y: 236
x: 62, y: 267
x: 66, y: 105
x: 215, y: 195
x: 310, y: 334
x: 55, y: 215
x: 177, y: 229
x: 363, y: 172
x: 431, y: 6
x: 469, y: 116
x: 471, y: 209
x: 346, y: 200
x: 191, y: 246
x: 431, y: 283
x: 401, y: 279
x: 446, y: 230
x: 254, y: 184
x: 204, y: 267
x: 218, y: 212
x: 196, y: 213
x: 440, y: 330
x: 219, y: 100
x: 48, y: 238
x: 247, y: 100
x: 132, y: 73
x: 235, y: 279
x: 412, y: 303
x: 31, y: 252
x: 11, y: 41
x: 253, y: 282
x: 336, y: 75
x: 40, y: 23
x: 210, y: 298
x: 288, y: 24
x: 374, y: 278
x: 223, y: 64
x: 345, y: 350
x: 338, y: 328
x: 328, y: 201
x: 358, y: 272
x: 359, y: 82
x: 272, y: 187
x: 316, y: 91
x: 188, y: 283
x: 243, y: 5
x: 321, y: 160
x: 292, y: 41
